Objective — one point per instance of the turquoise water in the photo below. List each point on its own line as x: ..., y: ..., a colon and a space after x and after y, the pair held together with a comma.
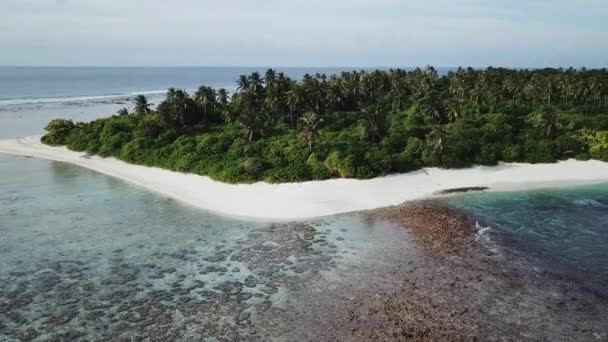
x: 565, y: 229
x: 84, y: 256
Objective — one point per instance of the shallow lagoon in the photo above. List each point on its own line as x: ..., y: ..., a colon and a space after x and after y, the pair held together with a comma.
x: 88, y: 257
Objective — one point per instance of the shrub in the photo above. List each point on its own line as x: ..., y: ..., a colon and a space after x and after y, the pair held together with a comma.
x: 598, y: 146
x: 332, y: 163
x: 58, y: 132
x: 567, y: 146
x: 296, y: 172
x: 317, y: 169
x: 379, y: 161
x: 512, y: 153
x: 365, y: 172
x: 253, y: 167
x: 489, y: 155
x: 539, y: 151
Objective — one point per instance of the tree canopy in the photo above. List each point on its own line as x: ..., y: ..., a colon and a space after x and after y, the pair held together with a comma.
x: 357, y: 124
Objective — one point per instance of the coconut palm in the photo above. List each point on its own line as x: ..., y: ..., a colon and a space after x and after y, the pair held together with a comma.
x: 546, y: 121
x: 223, y: 97
x: 205, y: 98
x: 256, y: 83
x: 310, y: 126
x: 372, y: 125
x: 242, y: 83
x: 293, y: 100
x: 436, y: 139
x: 141, y: 105
x: 123, y: 111
x: 178, y: 109
x: 248, y: 115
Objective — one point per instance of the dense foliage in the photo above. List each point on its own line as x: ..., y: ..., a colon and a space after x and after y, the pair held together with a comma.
x: 357, y: 124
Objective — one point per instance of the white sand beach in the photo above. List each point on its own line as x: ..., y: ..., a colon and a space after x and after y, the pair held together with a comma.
x: 317, y: 198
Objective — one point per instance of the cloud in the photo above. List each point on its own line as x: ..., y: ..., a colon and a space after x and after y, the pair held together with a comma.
x: 298, y: 32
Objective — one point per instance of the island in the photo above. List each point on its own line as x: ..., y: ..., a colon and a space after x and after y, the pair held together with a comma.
x: 357, y: 124
x: 286, y: 155
x: 350, y: 142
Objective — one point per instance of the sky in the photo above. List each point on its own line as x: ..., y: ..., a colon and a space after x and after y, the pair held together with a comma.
x: 366, y: 33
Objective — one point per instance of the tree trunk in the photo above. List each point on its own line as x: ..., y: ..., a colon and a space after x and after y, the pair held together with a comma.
x: 291, y: 118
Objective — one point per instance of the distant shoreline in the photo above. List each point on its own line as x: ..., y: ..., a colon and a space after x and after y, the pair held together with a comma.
x: 294, y: 201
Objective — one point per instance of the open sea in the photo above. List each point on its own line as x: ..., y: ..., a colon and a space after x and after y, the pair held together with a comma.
x: 87, y: 257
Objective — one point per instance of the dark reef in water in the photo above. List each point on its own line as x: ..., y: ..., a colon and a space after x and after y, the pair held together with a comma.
x: 459, y: 290
x: 460, y: 190
x: 431, y: 279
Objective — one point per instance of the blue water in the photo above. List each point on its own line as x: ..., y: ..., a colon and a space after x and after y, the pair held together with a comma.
x: 27, y: 85
x: 565, y: 229
x: 23, y: 85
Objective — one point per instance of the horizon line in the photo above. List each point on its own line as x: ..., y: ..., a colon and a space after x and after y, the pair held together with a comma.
x: 304, y: 67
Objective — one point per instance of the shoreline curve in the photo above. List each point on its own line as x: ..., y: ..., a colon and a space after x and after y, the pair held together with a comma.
x: 312, y: 199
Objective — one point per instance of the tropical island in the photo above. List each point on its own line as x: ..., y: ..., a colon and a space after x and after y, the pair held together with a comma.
x: 357, y: 124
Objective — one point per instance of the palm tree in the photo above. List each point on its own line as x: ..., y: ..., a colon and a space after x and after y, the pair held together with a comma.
x: 223, y: 101
x: 248, y: 114
x: 372, y: 124
x: 436, y: 139
x: 222, y: 96
x: 293, y: 103
x: 546, y: 121
x: 313, y: 90
x: 270, y: 77
x: 271, y: 106
x: 141, y: 105
x: 256, y: 83
x: 123, y: 111
x: 178, y: 108
x: 310, y: 127
x: 242, y: 83
x: 205, y: 97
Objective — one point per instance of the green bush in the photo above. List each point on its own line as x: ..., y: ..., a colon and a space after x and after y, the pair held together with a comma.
x: 379, y: 161
x: 365, y: 172
x: 490, y: 154
x: 253, y: 167
x: 567, y: 146
x: 512, y: 153
x: 317, y: 169
x: 539, y: 151
x: 58, y: 131
x: 598, y: 148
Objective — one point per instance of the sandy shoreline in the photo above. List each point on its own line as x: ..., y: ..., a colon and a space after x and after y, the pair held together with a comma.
x: 317, y: 198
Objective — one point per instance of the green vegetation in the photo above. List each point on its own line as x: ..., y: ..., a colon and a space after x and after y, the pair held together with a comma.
x: 357, y: 124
